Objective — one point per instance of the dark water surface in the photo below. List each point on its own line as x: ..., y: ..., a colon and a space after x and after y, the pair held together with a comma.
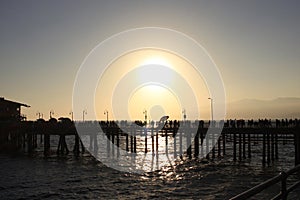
x: 68, y: 177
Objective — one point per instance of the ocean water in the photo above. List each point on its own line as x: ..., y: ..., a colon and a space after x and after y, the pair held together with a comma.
x: 67, y: 177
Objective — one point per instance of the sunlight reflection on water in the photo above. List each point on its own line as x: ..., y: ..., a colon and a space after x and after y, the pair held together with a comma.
x: 66, y: 177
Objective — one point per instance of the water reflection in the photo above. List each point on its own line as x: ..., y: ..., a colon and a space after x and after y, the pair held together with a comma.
x: 141, y: 148
x: 165, y: 152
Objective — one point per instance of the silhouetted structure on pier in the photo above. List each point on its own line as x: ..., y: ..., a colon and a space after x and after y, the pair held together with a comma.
x: 11, y: 110
x: 10, y: 118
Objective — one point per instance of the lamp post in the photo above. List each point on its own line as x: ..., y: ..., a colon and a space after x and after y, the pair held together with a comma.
x: 71, y: 113
x: 211, y: 109
x: 184, y: 114
x: 51, y: 113
x: 84, y: 112
x: 106, y: 113
x: 39, y: 114
x: 145, y: 113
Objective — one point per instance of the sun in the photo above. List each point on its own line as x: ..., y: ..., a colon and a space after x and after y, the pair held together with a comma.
x: 156, y: 80
x: 156, y: 60
x: 155, y: 69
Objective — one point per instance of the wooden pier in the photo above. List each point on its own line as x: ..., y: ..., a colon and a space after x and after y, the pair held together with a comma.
x: 25, y: 136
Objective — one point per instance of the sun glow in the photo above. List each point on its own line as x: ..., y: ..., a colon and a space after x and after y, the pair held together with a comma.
x: 155, y: 67
x: 156, y: 60
x: 158, y: 100
x: 155, y: 73
x: 154, y: 80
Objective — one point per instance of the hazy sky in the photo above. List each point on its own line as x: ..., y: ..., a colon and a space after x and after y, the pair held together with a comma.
x: 255, y: 44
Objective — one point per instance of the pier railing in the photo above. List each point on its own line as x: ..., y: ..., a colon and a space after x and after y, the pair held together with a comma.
x: 280, y: 178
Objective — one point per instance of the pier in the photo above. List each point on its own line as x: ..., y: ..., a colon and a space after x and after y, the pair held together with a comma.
x: 237, y: 137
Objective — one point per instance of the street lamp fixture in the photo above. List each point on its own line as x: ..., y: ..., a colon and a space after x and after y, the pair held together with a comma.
x: 84, y: 112
x: 71, y: 113
x: 184, y: 114
x: 106, y: 113
x: 51, y: 113
x: 145, y: 113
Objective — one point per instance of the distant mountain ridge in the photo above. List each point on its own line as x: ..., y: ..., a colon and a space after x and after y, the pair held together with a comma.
x: 282, y: 107
x: 279, y: 99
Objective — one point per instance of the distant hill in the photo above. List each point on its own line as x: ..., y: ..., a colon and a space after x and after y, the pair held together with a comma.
x: 283, y: 107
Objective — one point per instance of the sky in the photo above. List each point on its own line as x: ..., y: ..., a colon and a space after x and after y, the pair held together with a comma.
x: 254, y: 44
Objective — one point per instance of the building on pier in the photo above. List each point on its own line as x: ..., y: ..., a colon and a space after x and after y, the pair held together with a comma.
x: 11, y: 110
